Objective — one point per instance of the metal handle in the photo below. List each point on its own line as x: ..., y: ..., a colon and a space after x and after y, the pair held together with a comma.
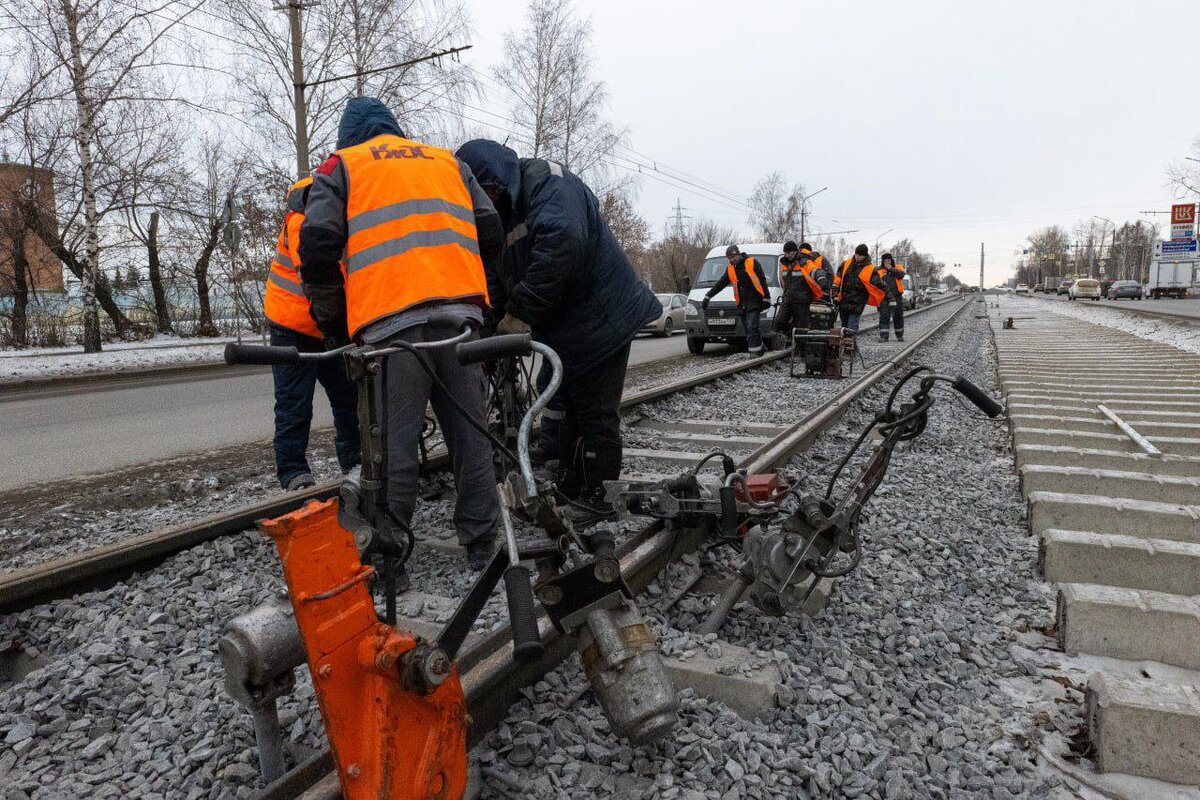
x: 518, y: 586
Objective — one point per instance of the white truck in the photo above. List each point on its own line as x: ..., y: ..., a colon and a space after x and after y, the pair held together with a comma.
x: 1172, y: 278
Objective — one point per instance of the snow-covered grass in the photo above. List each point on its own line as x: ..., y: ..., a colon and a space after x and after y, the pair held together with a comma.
x: 1153, y: 328
x: 21, y: 366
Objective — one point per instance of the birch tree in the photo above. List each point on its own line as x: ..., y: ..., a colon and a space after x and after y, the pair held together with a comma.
x: 548, y: 71
x: 106, y: 52
x: 774, y: 211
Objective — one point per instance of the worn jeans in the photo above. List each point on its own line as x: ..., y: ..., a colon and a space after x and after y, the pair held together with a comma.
x: 590, y: 434
x: 409, y: 390
x: 295, y: 385
x: 752, y: 322
x: 850, y: 317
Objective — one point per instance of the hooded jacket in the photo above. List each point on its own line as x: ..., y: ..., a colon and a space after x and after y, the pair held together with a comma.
x: 852, y: 295
x: 325, y: 231
x: 795, y: 287
x: 562, y: 271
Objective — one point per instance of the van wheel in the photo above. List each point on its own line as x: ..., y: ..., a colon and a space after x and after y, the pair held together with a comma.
x: 695, y: 345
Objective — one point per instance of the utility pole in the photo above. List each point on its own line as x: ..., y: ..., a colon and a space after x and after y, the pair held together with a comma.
x: 981, y: 270
x: 677, y: 219
x: 804, y: 211
x: 302, y: 163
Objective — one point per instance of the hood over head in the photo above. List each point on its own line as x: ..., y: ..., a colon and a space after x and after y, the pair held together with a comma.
x: 886, y: 259
x: 364, y: 119
x: 493, y: 165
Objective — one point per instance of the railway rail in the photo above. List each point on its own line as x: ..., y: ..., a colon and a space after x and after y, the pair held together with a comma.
x: 489, y: 676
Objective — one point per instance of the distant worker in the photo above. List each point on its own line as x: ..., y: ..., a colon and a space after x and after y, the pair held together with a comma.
x: 565, y: 278
x: 892, y: 306
x: 806, y: 279
x: 416, y: 230
x: 291, y: 324
x: 856, y: 286
x: 745, y: 275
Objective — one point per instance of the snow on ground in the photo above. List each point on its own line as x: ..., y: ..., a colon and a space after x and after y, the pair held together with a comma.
x: 1155, y: 329
x: 20, y: 366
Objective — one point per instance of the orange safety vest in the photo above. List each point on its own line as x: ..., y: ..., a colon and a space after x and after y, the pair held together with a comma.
x: 899, y: 281
x: 748, y: 265
x: 874, y: 293
x: 807, y: 271
x: 284, y: 302
x: 411, y: 225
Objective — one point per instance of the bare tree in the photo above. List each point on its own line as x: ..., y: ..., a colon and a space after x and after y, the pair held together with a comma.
x: 774, y: 211
x: 627, y: 226
x: 106, y: 52
x: 548, y: 71
x: 1184, y: 174
x: 672, y: 263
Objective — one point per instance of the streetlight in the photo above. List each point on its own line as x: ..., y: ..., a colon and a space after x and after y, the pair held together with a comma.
x: 1114, y: 244
x: 804, y: 208
x: 877, y: 238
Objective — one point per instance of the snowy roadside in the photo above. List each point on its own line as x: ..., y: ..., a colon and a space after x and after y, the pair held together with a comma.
x: 25, y: 366
x: 1155, y: 329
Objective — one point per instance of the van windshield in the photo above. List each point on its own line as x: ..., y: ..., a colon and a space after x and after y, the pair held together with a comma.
x: 714, y: 268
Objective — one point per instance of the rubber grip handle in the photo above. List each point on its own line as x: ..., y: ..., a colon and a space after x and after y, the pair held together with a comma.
x: 978, y: 396
x: 522, y: 614
x: 448, y: 320
x: 493, y: 347
x: 260, y: 354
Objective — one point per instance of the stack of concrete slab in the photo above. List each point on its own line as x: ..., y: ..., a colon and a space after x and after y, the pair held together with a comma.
x: 1106, y: 436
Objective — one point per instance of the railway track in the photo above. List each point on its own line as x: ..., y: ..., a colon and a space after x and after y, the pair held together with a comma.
x: 489, y: 676
x: 1104, y: 427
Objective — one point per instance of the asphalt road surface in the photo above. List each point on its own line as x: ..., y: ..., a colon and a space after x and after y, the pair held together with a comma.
x: 1189, y: 307
x: 55, y: 433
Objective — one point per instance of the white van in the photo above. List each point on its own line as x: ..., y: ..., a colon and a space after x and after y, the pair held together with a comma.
x: 722, y: 323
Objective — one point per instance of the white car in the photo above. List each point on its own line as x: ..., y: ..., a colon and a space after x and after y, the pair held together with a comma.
x: 672, y: 317
x: 910, y: 297
x: 1085, y: 288
x: 1022, y: 288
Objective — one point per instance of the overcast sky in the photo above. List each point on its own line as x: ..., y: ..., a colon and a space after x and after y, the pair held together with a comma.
x: 954, y: 123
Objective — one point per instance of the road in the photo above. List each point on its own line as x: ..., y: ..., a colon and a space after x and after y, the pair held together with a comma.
x: 50, y: 434
x: 1189, y: 308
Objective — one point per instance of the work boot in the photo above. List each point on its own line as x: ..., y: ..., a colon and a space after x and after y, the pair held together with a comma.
x: 302, y: 481
x: 883, y: 336
x: 540, y: 456
x: 480, y: 552
x: 900, y: 336
x: 589, y: 509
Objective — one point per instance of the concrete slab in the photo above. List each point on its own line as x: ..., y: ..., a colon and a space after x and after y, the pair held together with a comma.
x: 723, y: 440
x: 673, y: 457
x: 1096, y: 458
x: 1129, y: 623
x: 1145, y: 728
x: 1132, y: 416
x: 1110, y: 483
x: 1081, y: 421
x: 1117, y: 404
x: 751, y: 694
x: 1178, y: 445
x: 1113, y: 515
x: 1112, y: 560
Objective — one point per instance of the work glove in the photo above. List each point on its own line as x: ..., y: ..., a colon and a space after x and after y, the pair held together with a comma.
x: 511, y: 324
x: 327, y: 305
x: 704, y: 303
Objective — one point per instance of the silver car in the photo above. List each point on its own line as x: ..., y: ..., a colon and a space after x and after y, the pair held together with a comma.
x: 671, y: 319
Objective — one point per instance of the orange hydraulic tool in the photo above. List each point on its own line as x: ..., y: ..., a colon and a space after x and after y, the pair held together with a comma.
x: 393, y: 706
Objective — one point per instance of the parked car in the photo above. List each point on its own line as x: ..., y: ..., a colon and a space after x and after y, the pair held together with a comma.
x: 1085, y: 288
x: 1063, y: 288
x: 1023, y: 288
x: 672, y: 317
x: 1125, y: 289
x: 1039, y: 287
x: 910, y: 297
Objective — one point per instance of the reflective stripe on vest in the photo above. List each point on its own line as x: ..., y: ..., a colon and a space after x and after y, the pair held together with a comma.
x: 748, y: 265
x: 284, y: 302
x: 411, y: 225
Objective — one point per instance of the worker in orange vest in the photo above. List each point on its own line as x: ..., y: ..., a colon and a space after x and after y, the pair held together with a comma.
x: 290, y: 324
x: 416, y: 229
x: 806, y: 279
x: 856, y: 286
x: 892, y: 307
x: 750, y: 293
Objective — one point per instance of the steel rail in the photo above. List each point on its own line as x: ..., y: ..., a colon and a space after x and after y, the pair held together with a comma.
x: 104, y: 566
x: 491, y: 678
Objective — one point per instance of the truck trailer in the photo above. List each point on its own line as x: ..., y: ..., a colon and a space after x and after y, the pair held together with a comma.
x: 1171, y: 278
